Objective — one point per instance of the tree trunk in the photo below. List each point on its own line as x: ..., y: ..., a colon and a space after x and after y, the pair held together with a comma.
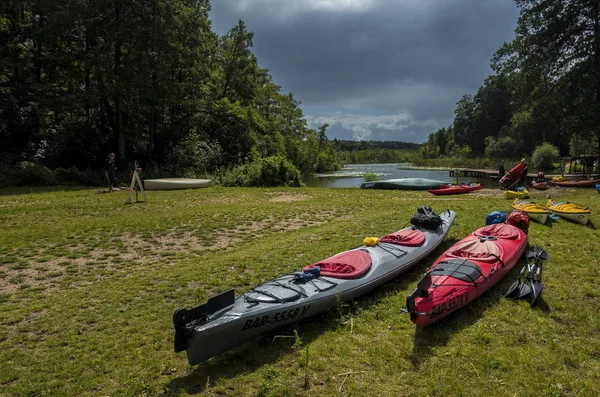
x: 596, y: 125
x: 118, y: 85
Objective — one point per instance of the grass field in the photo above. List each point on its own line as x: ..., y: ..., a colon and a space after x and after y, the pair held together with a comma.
x: 88, y: 286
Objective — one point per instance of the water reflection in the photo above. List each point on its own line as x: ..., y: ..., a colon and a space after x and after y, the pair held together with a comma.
x: 352, y: 175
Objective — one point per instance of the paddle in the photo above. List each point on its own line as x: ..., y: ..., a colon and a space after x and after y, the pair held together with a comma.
x: 537, y: 286
x: 525, y: 288
x: 541, y: 253
x: 513, y: 290
x: 529, y: 281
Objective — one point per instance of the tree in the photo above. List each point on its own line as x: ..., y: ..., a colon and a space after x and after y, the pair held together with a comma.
x: 500, y: 148
x: 148, y: 80
x: 464, y: 128
x: 557, y: 48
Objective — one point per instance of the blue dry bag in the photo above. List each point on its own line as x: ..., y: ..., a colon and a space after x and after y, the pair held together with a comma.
x: 495, y: 217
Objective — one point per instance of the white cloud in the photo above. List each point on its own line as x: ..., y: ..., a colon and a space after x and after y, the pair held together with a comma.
x: 363, y: 126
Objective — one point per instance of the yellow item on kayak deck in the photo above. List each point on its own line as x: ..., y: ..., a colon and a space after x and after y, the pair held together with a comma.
x: 536, y: 212
x: 371, y: 241
x: 571, y: 211
x: 510, y: 194
x: 558, y: 178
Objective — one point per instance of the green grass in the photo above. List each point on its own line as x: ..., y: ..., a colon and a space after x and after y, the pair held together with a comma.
x: 88, y: 286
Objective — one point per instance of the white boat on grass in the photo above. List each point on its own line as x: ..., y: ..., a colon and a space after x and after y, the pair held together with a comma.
x: 176, y: 183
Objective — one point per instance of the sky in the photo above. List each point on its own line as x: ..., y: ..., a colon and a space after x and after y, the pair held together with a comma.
x: 385, y: 70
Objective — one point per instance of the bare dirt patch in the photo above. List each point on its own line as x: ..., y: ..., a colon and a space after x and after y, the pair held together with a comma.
x: 135, y: 252
x: 286, y: 197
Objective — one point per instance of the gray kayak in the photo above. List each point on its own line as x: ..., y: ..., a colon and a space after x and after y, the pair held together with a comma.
x: 404, y: 184
x: 226, y: 321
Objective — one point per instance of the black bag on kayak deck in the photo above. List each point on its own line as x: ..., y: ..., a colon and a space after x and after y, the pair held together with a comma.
x: 425, y: 217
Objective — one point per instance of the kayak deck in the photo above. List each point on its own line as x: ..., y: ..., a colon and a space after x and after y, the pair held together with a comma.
x: 224, y: 321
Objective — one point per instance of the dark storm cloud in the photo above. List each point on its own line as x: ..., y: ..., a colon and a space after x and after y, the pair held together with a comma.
x: 405, y: 61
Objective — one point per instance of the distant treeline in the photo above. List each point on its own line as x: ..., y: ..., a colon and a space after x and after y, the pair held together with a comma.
x: 352, y: 146
x: 545, y: 88
x: 148, y: 80
x: 364, y: 152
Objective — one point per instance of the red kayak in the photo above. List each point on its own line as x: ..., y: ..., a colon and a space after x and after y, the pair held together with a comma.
x: 468, y: 269
x: 456, y: 189
x: 512, y: 176
x: 582, y: 183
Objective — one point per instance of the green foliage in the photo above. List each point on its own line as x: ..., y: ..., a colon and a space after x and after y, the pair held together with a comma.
x: 270, y: 171
x: 33, y: 174
x: 354, y: 146
x: 500, y: 148
x: 429, y: 150
x: 544, y: 156
x: 579, y: 145
x: 370, y: 177
x: 368, y: 152
x: 545, y: 86
x: 149, y: 81
x: 462, y: 162
x: 72, y: 176
x: 370, y: 156
x: 460, y: 151
x: 193, y: 156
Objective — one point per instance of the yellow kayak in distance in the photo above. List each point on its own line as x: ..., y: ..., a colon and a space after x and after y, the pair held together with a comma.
x: 571, y: 211
x: 511, y: 194
x: 536, y: 212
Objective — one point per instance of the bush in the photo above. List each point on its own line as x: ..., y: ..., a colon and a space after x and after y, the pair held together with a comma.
x: 502, y: 148
x: 32, y: 174
x: 370, y: 176
x: 263, y: 172
x: 72, y: 176
x: 544, y: 156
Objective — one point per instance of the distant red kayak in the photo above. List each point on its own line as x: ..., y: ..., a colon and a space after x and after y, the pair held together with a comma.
x: 583, y: 183
x: 468, y: 269
x: 455, y: 189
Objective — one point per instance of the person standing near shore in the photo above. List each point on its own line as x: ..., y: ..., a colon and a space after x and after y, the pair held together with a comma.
x: 501, y: 170
x: 525, y: 172
x: 110, y: 172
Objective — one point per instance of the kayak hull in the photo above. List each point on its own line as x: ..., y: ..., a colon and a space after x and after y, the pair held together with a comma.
x: 511, y: 194
x: 447, y: 190
x: 404, y: 184
x: 281, y: 301
x: 477, y: 257
x: 535, y: 211
x: 176, y: 183
x: 570, y: 211
x: 583, y: 183
x: 511, y: 176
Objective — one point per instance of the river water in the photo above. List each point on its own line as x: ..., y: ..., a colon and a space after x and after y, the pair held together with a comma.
x: 352, y: 175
